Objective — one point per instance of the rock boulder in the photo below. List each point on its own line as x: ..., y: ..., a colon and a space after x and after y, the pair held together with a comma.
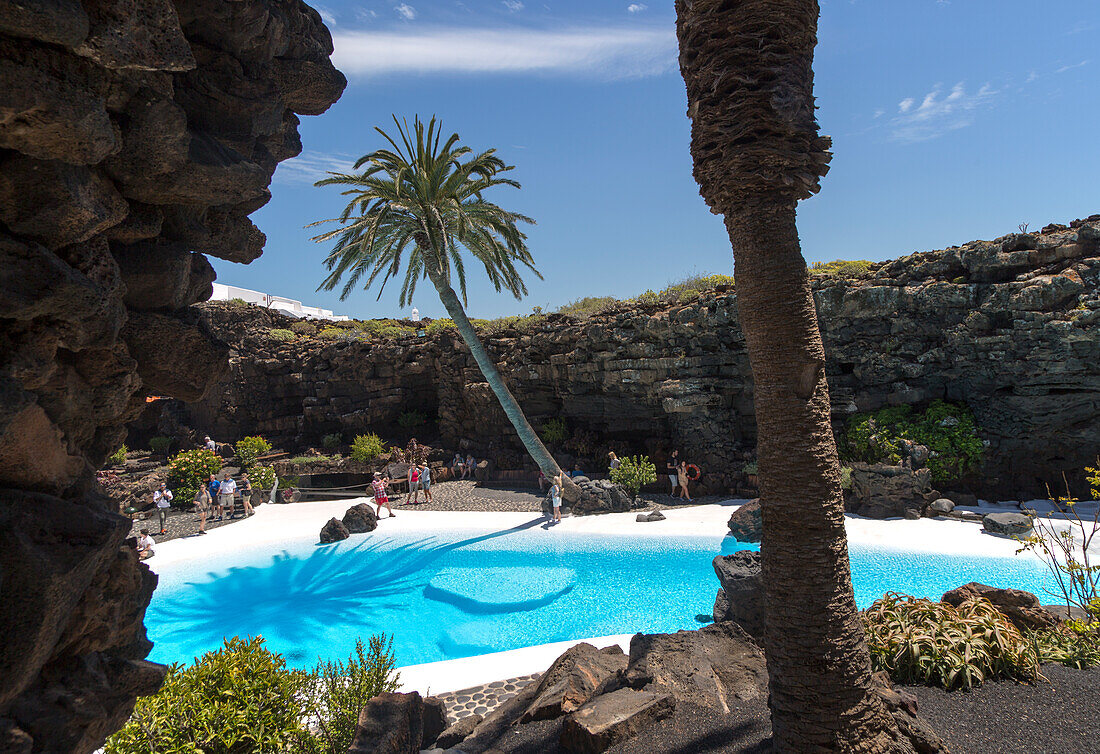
x: 611, y: 718
x: 390, y: 723
x: 360, y: 518
x: 333, y: 531
x: 745, y: 523
x: 741, y: 597
x: 580, y: 674
x: 1007, y: 524
x: 1022, y: 608
x: 881, y: 491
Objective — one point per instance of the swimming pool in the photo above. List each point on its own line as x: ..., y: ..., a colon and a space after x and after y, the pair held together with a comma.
x: 449, y: 595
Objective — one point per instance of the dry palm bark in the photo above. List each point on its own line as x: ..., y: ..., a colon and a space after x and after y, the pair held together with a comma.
x: 748, y: 69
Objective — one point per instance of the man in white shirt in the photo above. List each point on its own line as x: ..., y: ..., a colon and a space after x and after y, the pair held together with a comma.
x: 162, y: 499
x: 210, y: 444
x: 227, y: 494
x: 145, y: 545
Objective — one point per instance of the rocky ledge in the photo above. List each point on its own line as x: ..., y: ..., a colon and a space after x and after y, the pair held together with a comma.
x: 135, y: 137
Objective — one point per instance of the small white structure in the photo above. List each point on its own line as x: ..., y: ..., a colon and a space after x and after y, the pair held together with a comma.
x: 290, y: 307
x: 415, y: 317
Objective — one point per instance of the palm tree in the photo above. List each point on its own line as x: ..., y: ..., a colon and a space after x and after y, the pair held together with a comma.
x: 747, y: 65
x: 420, y: 204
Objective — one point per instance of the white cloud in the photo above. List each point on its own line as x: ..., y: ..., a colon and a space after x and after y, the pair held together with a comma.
x: 406, y: 11
x: 938, y: 114
x: 636, y: 8
x: 313, y: 166
x: 513, y: 5
x: 1065, y: 68
x: 1032, y: 76
x: 326, y: 15
x: 605, y: 52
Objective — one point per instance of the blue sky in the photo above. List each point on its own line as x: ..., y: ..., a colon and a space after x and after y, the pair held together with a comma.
x: 950, y: 121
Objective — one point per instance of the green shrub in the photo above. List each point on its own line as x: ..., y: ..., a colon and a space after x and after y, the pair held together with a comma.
x: 749, y: 468
x: 920, y: 641
x: 262, y: 477
x: 396, y: 332
x: 240, y: 699
x: 189, y: 469
x: 249, y: 449
x: 845, y: 478
x: 330, y: 442
x: 437, y: 326
x: 686, y: 297
x: 330, y: 333
x: 118, y: 457
x: 410, y: 419
x: 160, y: 445
x: 238, y: 302
x: 841, y: 268
x: 585, y: 307
x: 947, y: 430
x: 1074, y: 643
x: 634, y: 472
x: 281, y: 335
x: 648, y: 298
x: 690, y: 288
x: 367, y: 447
x: 342, y: 690
x: 553, y: 431
x: 302, y: 327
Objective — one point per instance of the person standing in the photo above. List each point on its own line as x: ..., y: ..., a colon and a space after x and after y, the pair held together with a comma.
x: 555, y: 499
x: 673, y: 466
x: 426, y: 481
x: 413, y: 478
x: 145, y: 545
x: 227, y: 494
x: 380, y: 497
x: 682, y: 476
x: 246, y: 495
x: 202, y: 505
x: 162, y: 499
x: 614, y: 463
x: 215, y: 499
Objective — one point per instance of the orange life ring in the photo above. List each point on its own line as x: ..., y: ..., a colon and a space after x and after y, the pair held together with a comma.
x: 692, y: 467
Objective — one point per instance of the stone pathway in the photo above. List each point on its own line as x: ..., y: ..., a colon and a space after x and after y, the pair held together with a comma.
x: 481, y: 700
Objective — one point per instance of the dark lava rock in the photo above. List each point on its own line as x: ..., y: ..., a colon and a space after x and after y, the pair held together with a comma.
x: 458, y: 732
x: 1022, y: 608
x: 390, y: 723
x: 360, y: 518
x: 745, y: 523
x: 581, y: 673
x: 941, y: 505
x: 881, y: 491
x: 742, y: 592
x: 1007, y: 524
x: 435, y: 719
x: 334, y: 531
x: 718, y: 666
x: 647, y: 517
x: 611, y: 718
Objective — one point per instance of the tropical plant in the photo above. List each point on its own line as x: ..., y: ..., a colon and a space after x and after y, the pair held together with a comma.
x: 239, y: 699
x: 634, y: 472
x: 934, y: 643
x: 341, y: 690
x: 1073, y: 643
x: 332, y: 441
x: 748, y: 71
x: 160, y: 445
x: 119, y: 456
x: 188, y: 470
x: 262, y: 477
x: 367, y: 447
x: 553, y: 431
x: 281, y: 335
x: 422, y: 203
x: 410, y: 419
x: 249, y: 449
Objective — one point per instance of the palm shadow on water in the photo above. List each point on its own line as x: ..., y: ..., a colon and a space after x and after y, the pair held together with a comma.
x: 300, y: 597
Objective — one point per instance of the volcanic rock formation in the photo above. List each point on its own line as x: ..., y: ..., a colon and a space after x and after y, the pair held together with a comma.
x: 1009, y: 327
x: 135, y: 136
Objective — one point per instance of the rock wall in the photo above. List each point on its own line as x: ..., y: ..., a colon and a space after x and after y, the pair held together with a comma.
x: 1008, y: 327
x: 135, y: 137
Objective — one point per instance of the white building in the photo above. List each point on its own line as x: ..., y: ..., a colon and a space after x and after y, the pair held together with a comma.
x: 288, y: 306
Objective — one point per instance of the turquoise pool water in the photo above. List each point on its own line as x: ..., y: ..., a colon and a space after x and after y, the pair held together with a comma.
x: 455, y: 595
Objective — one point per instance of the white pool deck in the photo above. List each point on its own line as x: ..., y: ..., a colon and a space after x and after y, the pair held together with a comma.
x: 276, y: 524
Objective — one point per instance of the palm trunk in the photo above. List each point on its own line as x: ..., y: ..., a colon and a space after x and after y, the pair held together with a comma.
x: 819, y: 667
x: 526, y: 432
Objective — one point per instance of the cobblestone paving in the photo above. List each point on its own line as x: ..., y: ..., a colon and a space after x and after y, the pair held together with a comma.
x: 481, y: 700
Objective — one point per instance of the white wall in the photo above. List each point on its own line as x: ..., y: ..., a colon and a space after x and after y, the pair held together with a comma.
x: 288, y: 306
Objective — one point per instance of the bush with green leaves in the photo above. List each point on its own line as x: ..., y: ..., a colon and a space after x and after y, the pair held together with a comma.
x: 948, y: 430
x: 281, y: 335
x: 553, y: 431
x: 332, y: 441
x: 262, y: 477
x: 437, y: 326
x: 160, y: 445
x: 341, y: 690
x: 841, y: 268
x: 933, y: 643
x: 249, y: 449
x: 410, y: 419
x: 189, y: 469
x: 330, y: 333
x: 367, y: 447
x: 240, y: 699
x: 304, y: 328
x: 634, y: 472
x: 118, y: 457
x: 1073, y: 643
x: 583, y: 308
